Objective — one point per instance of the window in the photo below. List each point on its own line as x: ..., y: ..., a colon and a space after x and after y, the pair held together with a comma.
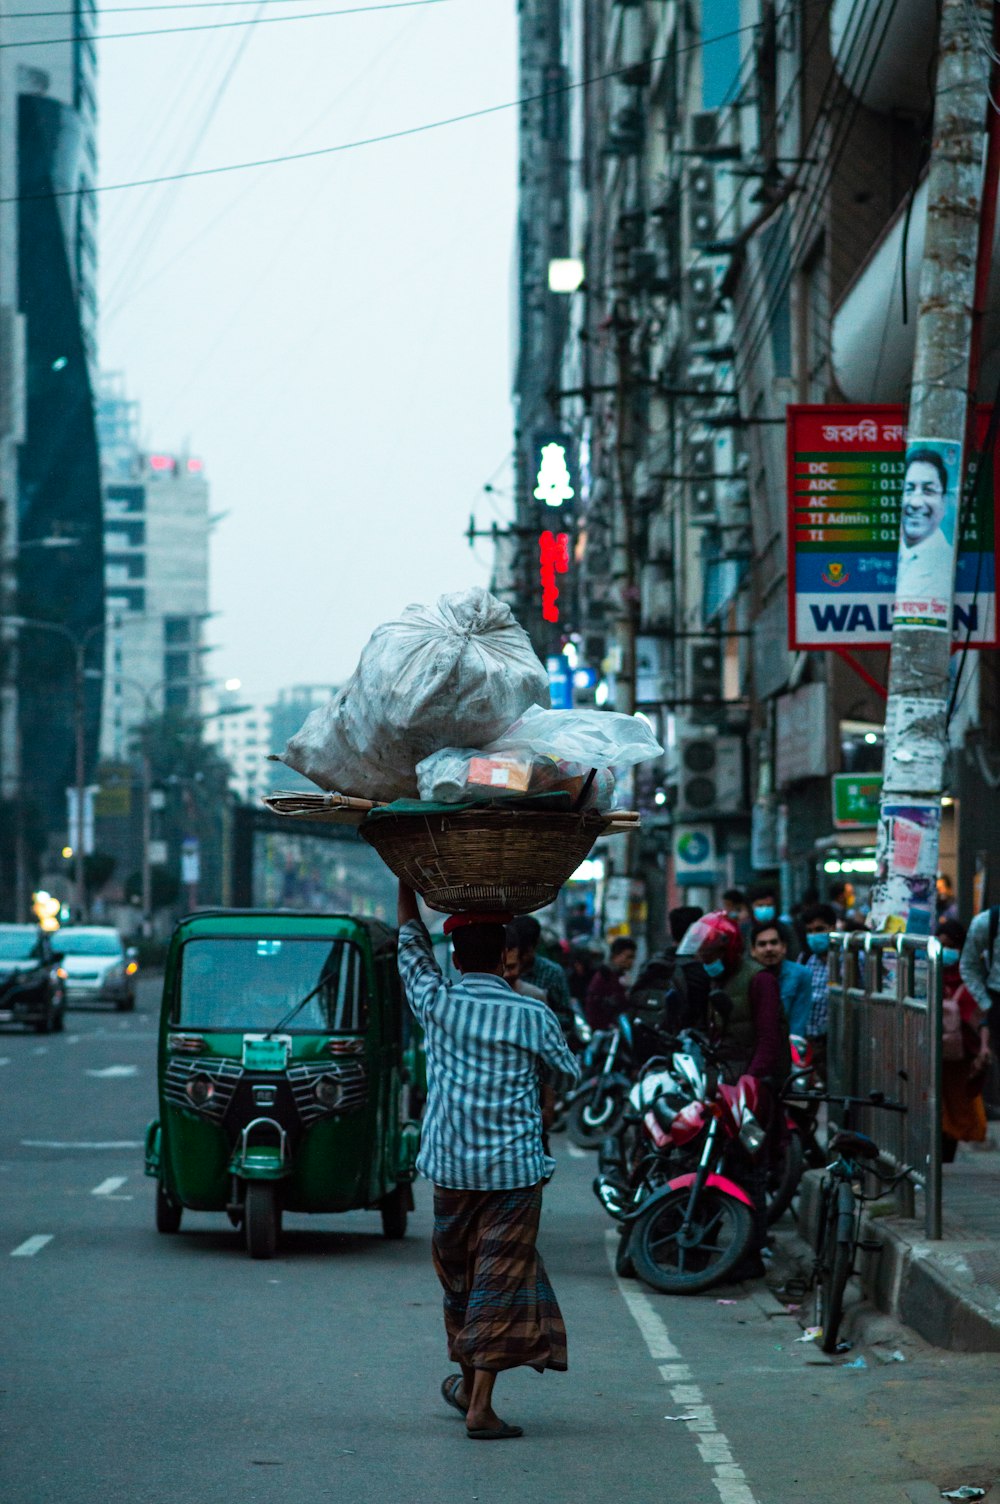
x: 177, y: 629
x: 253, y: 984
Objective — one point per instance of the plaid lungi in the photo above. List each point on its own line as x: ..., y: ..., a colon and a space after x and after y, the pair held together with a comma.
x: 499, y: 1308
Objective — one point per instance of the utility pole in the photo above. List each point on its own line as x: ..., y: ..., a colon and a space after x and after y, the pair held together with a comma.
x: 623, y: 323
x: 916, y: 741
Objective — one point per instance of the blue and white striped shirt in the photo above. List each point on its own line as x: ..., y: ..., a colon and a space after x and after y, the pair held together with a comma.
x: 487, y: 1048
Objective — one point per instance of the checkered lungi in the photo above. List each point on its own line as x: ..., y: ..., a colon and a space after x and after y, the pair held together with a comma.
x: 499, y: 1308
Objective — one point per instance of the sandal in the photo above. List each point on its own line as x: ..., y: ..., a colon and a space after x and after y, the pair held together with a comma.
x: 449, y: 1392
x: 505, y: 1433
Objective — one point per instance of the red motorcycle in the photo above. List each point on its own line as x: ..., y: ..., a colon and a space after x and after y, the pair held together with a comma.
x: 695, y: 1230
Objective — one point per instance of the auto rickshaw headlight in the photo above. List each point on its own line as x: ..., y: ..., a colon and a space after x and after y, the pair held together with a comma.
x: 200, y: 1090
x: 328, y: 1091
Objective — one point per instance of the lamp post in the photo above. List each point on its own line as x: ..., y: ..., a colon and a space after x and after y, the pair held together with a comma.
x: 79, y: 645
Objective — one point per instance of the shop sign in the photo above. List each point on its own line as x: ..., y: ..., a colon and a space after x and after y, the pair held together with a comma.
x: 694, y: 856
x: 848, y: 468
x: 856, y: 799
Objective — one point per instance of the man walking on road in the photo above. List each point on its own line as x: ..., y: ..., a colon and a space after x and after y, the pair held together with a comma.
x: 488, y: 1051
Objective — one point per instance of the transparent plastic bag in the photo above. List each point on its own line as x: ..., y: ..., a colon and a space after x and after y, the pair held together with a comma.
x: 590, y: 738
x: 458, y: 774
x: 457, y: 671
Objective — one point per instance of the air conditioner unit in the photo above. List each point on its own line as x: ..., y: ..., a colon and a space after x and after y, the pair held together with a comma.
x: 704, y: 130
x: 701, y: 204
x: 705, y: 671
x: 699, y: 465
x: 699, y: 307
x: 710, y: 777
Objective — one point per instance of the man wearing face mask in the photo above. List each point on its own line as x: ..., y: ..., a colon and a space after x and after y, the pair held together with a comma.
x: 751, y: 1035
x: 819, y: 919
x: 764, y: 906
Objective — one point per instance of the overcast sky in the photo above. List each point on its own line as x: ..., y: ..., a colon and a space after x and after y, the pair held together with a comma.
x: 331, y: 336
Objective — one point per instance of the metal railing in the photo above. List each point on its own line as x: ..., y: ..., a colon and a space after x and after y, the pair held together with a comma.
x: 885, y: 1035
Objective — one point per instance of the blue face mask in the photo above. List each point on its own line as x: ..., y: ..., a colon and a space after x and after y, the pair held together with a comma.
x: 949, y: 955
x: 714, y: 968
x: 763, y: 911
x: 818, y: 944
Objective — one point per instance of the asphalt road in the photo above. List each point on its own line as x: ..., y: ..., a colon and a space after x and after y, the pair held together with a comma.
x: 173, y: 1370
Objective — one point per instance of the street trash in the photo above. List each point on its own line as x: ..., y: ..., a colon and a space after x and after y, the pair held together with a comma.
x: 858, y: 1363
x: 810, y: 1334
x: 680, y: 1417
x: 844, y: 1347
x: 725, y: 1302
x: 894, y: 1357
x: 544, y: 751
x: 461, y: 671
x: 967, y: 1491
x: 793, y: 1309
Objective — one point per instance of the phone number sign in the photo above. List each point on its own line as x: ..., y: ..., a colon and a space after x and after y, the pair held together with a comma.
x: 846, y: 468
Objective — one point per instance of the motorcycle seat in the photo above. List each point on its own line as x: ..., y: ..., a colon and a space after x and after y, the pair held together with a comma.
x: 854, y: 1145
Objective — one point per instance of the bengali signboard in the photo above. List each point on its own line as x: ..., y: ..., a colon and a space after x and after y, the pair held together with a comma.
x: 846, y: 472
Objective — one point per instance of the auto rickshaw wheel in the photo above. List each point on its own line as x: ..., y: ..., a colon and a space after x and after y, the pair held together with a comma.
x: 394, y: 1209
x: 262, y: 1219
x: 168, y: 1213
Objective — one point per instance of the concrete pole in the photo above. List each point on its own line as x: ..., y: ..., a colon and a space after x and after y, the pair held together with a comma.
x: 916, y: 742
x: 79, y: 733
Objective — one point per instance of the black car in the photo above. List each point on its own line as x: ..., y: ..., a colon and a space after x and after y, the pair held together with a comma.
x: 32, y: 988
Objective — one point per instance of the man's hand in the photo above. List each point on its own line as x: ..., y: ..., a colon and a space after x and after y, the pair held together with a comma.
x: 406, y: 905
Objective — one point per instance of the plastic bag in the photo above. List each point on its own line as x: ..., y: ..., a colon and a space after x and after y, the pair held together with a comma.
x: 458, y: 774
x: 458, y: 672
x: 592, y: 738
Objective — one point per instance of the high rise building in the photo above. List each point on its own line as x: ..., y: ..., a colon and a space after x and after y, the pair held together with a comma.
x: 156, y: 533
x: 51, y: 546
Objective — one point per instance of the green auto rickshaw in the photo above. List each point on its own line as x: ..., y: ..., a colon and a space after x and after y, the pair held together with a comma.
x: 281, y: 1073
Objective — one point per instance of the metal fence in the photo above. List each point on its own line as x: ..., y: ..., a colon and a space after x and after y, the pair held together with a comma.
x: 885, y: 1035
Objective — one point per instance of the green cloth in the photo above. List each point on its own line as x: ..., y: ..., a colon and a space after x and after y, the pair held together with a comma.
x: 556, y: 803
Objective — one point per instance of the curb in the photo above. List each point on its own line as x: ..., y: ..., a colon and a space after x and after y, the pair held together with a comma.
x: 931, y: 1287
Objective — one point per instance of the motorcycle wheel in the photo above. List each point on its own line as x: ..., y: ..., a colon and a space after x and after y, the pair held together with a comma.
x: 262, y: 1219
x: 784, y: 1176
x: 588, y: 1122
x: 719, y: 1238
x: 624, y: 1266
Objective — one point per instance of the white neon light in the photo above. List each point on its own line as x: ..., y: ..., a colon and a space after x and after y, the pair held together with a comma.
x: 553, y: 477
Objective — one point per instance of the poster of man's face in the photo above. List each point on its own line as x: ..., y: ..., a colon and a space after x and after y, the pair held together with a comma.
x: 928, y: 521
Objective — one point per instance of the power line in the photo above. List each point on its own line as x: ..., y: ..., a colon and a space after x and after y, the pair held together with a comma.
x: 115, y: 10
x: 412, y: 130
x: 172, y: 31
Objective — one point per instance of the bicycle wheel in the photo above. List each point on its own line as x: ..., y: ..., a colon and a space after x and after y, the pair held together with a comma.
x: 838, y: 1258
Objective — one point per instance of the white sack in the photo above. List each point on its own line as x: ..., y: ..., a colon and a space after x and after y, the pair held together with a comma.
x: 454, y: 674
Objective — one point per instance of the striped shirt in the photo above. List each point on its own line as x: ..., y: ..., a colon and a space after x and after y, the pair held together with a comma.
x: 487, y: 1050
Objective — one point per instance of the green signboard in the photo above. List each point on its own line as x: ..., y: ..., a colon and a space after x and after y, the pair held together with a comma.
x: 856, y: 799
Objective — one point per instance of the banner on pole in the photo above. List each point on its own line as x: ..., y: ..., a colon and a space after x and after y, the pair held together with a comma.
x: 846, y: 475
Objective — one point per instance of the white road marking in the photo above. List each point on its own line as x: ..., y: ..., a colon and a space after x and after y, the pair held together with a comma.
x: 109, y: 1186
x: 72, y: 1039
x: 109, y: 1072
x: 729, y: 1478
x: 30, y: 1246
x: 575, y: 1152
x: 5, y: 1060
x: 56, y: 1143
x: 40, y: 1049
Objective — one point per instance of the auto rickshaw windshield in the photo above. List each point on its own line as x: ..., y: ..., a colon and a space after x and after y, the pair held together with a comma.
x: 247, y: 983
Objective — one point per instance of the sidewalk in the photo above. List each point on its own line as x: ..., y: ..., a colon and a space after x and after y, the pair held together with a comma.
x: 948, y: 1291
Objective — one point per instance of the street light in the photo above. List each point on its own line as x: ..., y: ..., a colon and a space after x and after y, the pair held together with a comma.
x: 79, y: 645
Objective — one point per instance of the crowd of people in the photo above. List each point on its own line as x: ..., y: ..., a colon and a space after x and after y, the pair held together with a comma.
x: 793, y: 947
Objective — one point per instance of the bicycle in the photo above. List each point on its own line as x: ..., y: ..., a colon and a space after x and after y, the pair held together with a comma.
x: 842, y: 1202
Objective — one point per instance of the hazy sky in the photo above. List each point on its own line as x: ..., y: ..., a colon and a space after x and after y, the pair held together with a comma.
x: 331, y: 336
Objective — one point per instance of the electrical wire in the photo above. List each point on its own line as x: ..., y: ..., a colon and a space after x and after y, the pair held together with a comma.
x: 114, y: 10
x: 413, y: 130
x: 176, y: 31
x: 108, y: 316
x: 162, y: 210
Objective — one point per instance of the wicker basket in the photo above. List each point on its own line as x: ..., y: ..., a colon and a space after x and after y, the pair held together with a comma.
x: 489, y: 859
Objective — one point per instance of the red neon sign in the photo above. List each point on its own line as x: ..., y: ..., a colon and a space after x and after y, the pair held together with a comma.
x: 553, y: 551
